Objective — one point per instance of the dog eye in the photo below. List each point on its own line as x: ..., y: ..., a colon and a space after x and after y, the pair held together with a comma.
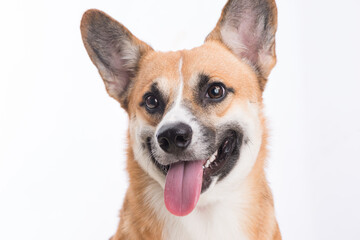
x: 151, y: 102
x: 215, y: 91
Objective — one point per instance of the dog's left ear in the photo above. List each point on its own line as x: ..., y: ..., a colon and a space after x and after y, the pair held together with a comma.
x: 247, y: 28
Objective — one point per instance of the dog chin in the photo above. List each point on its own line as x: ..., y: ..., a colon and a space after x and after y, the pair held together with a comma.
x: 217, y: 165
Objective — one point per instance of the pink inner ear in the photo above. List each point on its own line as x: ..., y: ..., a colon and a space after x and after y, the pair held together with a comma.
x: 117, y: 85
x: 246, y: 35
x: 249, y: 36
x: 117, y: 75
x: 120, y: 69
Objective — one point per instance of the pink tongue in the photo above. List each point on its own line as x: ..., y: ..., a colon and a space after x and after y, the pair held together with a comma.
x: 183, y: 187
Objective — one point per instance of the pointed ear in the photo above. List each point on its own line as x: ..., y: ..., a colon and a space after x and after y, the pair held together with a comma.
x: 114, y: 51
x: 247, y: 28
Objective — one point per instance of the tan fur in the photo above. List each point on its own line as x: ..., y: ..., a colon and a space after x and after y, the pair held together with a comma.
x: 261, y: 218
x: 138, y: 220
x: 261, y: 222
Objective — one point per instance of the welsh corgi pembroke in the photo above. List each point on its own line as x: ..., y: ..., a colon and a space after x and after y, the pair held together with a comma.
x: 197, y: 134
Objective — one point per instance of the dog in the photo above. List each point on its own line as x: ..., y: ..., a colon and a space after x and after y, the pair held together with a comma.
x: 197, y: 134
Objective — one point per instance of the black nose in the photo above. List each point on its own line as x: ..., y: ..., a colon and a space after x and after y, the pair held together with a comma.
x: 175, y: 137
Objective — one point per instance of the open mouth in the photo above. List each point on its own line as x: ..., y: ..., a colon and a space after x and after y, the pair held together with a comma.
x: 186, y: 180
x: 222, y: 161
x: 216, y: 163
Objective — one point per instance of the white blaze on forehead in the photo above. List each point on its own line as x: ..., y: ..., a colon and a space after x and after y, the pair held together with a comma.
x: 179, y: 96
x: 177, y: 102
x: 177, y: 113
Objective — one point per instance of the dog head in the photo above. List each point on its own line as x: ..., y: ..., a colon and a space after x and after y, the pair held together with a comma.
x: 195, y: 115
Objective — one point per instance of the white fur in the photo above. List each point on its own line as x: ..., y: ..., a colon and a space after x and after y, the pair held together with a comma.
x: 247, y: 115
x: 137, y: 126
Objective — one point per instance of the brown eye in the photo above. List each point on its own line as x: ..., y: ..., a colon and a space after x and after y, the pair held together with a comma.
x: 215, y: 91
x: 151, y: 102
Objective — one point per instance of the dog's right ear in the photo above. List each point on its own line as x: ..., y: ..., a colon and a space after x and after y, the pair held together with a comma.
x: 114, y: 51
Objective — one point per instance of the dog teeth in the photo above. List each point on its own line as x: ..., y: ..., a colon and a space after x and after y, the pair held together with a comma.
x: 213, y: 157
x: 207, y: 163
x: 210, y: 160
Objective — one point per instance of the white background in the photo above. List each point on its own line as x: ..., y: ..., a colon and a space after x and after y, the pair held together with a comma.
x: 62, y: 139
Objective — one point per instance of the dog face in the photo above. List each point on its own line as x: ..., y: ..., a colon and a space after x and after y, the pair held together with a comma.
x: 195, y: 115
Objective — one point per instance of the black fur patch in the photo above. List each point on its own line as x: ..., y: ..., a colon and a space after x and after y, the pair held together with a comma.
x: 159, y: 111
x: 202, y: 87
x: 235, y: 133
